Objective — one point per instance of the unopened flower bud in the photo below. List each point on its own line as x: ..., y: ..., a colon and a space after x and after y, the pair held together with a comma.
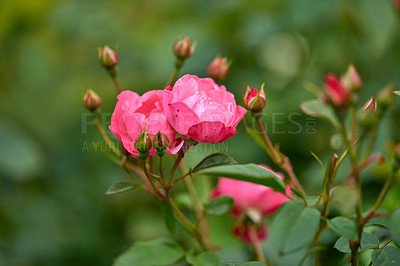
x: 143, y: 144
x: 370, y: 106
x: 108, y: 58
x: 351, y: 79
x: 385, y: 98
x: 160, y: 143
x: 254, y: 100
x: 183, y: 48
x: 219, y: 68
x: 336, y: 93
x: 91, y: 100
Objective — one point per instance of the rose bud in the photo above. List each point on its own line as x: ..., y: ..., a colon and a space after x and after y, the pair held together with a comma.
x: 183, y: 48
x: 108, y: 58
x: 219, y: 68
x: 370, y: 106
x: 351, y: 79
x: 254, y: 100
x: 143, y: 144
x: 336, y: 93
x: 160, y: 143
x: 91, y: 100
x: 385, y: 98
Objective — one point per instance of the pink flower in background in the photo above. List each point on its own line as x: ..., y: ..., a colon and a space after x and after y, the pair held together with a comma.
x: 336, y: 92
x: 202, y: 110
x: 132, y: 112
x: 252, y: 200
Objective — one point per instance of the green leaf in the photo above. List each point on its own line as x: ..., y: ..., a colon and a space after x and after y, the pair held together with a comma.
x: 219, y: 206
x: 297, y: 193
x: 203, y: 259
x: 313, y: 200
x: 344, y: 227
x: 394, y: 226
x: 161, y: 251
x: 382, y: 221
x: 249, y: 263
x: 368, y: 241
x: 214, y: 160
x: 294, y: 226
x: 387, y: 256
x: 257, y: 138
x: 169, y: 218
x: 121, y: 187
x: 319, y: 109
x: 397, y: 93
x: 247, y: 172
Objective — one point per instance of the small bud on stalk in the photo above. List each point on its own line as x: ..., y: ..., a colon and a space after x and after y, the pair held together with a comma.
x: 368, y: 118
x: 385, y: 98
x: 91, y: 100
x: 160, y: 143
x: 108, y: 58
x: 351, y: 79
x: 254, y: 100
x: 336, y: 93
x: 183, y: 48
x: 219, y: 68
x: 143, y: 144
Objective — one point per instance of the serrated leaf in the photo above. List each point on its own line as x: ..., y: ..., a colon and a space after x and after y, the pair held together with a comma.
x: 247, y: 172
x: 121, y: 187
x: 387, y: 256
x: 394, y: 226
x: 143, y: 253
x: 203, y: 259
x: 219, y: 206
x: 344, y: 227
x: 214, y: 160
x: 319, y: 109
x: 169, y: 218
x: 257, y: 138
x: 294, y: 226
x: 368, y: 241
x: 382, y: 221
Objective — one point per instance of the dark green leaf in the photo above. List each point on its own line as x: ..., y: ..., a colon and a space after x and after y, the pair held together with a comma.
x: 214, y: 160
x: 387, y: 256
x: 394, y: 226
x: 312, y: 200
x: 247, y: 172
x: 382, y: 221
x: 161, y: 251
x: 297, y: 193
x: 219, y: 206
x: 122, y: 187
x: 169, y: 218
x: 203, y: 259
x: 344, y: 227
x: 294, y: 226
x: 257, y: 138
x: 320, y: 109
x: 368, y: 241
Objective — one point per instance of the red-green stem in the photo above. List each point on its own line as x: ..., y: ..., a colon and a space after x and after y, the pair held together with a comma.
x: 161, y: 170
x: 256, y: 243
x: 103, y: 134
x: 116, y: 83
x: 178, y: 159
x: 279, y: 159
x: 157, y: 192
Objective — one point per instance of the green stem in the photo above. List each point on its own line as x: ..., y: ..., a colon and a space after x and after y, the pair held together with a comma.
x: 105, y: 137
x: 116, y: 83
x: 161, y: 170
x: 175, y: 166
x: 156, y: 191
x: 256, y: 244
x: 173, y: 77
x: 281, y: 160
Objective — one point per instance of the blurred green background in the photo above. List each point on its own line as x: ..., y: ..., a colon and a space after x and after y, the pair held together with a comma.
x: 52, y: 179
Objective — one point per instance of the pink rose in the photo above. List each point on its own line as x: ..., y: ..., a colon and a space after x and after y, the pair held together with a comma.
x: 132, y: 112
x: 202, y: 110
x: 250, y: 199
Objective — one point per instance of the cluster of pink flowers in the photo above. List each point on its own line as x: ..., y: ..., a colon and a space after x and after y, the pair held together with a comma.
x: 194, y: 107
x: 251, y: 201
